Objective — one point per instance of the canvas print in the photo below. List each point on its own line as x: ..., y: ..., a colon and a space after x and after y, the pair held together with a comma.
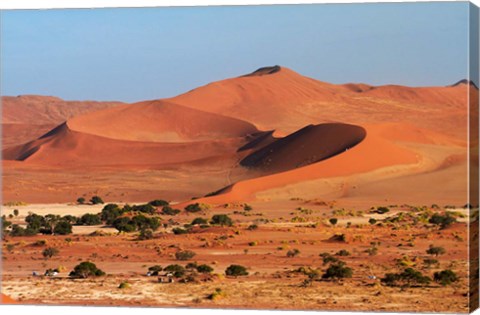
x: 290, y: 157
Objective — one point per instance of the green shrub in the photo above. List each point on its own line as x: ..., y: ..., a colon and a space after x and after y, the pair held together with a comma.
x: 406, y: 278
x: 81, y: 200
x: 247, y: 207
x: 436, y: 250
x: 15, y: 212
x: 445, y: 277
x: 155, y: 270
x: 252, y: 227
x: 372, y: 221
x: 236, y: 270
x: 196, y: 207
x: 63, y: 228
x: 96, y: 200
x: 343, y: 252
x: 110, y: 213
x: 90, y: 219
x: 443, y: 221
x: 146, y: 208
x: 199, y: 221
x: 381, y: 210
x: 158, y: 203
x: 184, y: 255
x: 50, y: 252
x: 86, y: 269
x: 221, y: 219
x: 293, y: 253
x: 333, y: 221
x: 204, y: 269
x: 177, y: 270
x: 179, y: 231
x: 328, y: 258
x: 167, y: 210
x: 338, y: 270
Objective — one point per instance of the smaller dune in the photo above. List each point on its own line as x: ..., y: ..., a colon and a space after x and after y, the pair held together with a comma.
x: 308, y: 145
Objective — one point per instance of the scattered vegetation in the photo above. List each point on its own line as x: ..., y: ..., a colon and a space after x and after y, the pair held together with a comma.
x: 185, y: 255
x: 159, y: 203
x: 221, y: 219
x: 95, y: 200
x: 167, y: 210
x: 445, y: 277
x: 443, y: 221
x: 50, y: 252
x: 407, y: 278
x: 436, y: 250
x: 197, y: 207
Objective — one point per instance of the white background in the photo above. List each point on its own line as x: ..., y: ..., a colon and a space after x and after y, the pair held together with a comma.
x: 41, y: 310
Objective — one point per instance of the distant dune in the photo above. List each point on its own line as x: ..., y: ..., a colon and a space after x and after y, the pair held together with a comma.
x: 27, y: 117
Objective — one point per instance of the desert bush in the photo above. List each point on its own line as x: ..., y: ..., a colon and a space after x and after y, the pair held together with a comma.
x: 204, y: 268
x: 146, y: 208
x: 179, y: 231
x: 430, y: 262
x: 444, y: 221
x: 81, y: 200
x: 124, y: 224
x: 110, y: 213
x: 328, y: 258
x: 338, y: 238
x: 236, y: 270
x: 436, y: 250
x: 155, y: 270
x: 96, y: 200
x: 40, y: 243
x: 372, y: 221
x: 338, y: 270
x: 167, y: 210
x: 63, y: 228
x: 333, y: 221
x: 252, y: 227
x: 158, y: 203
x: 445, y: 277
x: 90, y: 219
x: 196, y: 207
x: 16, y: 212
x: 293, y: 253
x: 199, y: 221
x: 177, y: 270
x: 50, y: 252
x: 218, y: 294
x: 221, y: 219
x: 145, y: 234
x: 406, y: 278
x: 35, y: 221
x: 247, y: 207
x: 343, y: 252
x: 381, y: 210
x: 86, y: 269
x: 184, y: 255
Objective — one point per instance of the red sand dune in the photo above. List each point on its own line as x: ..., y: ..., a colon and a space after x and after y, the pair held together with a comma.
x: 287, y: 101
x: 309, y: 145
x: 65, y: 147
x: 374, y: 152
x: 159, y: 121
x: 27, y: 117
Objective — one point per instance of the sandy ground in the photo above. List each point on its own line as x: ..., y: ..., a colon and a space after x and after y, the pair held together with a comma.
x: 270, y: 283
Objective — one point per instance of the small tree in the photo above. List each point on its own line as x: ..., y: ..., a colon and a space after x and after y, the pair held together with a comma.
x: 293, y: 253
x: 445, y: 277
x: 196, y: 207
x: 221, y: 219
x: 406, y: 278
x: 50, y: 252
x: 90, y: 219
x: 145, y: 234
x: 204, y: 269
x: 338, y: 270
x: 444, y: 221
x: 167, y: 210
x: 199, y: 221
x: 184, y: 255
x: 236, y: 270
x: 16, y: 212
x: 158, y: 203
x: 247, y: 207
x: 372, y: 221
x: 81, y: 200
x: 333, y: 221
x: 155, y: 270
x: 63, y: 228
x: 436, y: 250
x: 96, y: 200
x: 343, y: 252
x: 86, y: 269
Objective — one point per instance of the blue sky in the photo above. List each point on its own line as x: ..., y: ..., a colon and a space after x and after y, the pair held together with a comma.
x: 147, y: 53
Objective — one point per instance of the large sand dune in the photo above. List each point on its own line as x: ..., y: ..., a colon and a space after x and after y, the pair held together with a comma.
x: 263, y: 131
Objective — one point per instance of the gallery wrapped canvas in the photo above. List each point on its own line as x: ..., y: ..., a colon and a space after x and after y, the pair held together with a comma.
x: 292, y: 157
